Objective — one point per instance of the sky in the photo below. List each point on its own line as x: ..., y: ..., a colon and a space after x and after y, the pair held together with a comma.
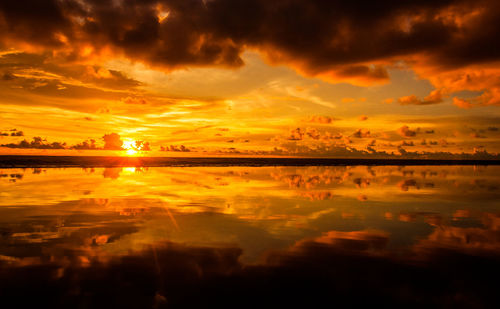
x: 250, y: 78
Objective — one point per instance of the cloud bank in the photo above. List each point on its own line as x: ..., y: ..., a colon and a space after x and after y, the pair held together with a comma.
x: 452, y: 43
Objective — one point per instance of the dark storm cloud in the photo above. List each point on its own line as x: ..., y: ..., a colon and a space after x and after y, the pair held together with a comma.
x: 332, y: 39
x: 34, y: 21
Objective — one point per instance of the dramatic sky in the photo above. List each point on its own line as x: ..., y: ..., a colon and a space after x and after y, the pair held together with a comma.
x: 250, y: 77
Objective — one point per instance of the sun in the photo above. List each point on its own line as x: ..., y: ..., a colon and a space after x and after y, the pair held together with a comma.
x: 129, y: 147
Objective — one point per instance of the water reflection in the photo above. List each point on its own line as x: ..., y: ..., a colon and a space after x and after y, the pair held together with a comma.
x: 182, y: 236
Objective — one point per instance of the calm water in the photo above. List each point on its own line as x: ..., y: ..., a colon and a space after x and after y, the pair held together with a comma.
x: 250, y: 236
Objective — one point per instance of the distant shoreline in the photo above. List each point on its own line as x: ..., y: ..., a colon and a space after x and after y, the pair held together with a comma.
x: 16, y: 161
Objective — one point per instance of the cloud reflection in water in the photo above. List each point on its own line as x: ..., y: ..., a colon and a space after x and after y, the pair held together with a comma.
x: 218, y: 235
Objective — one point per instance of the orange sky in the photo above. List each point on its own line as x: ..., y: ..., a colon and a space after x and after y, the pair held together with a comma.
x: 250, y: 77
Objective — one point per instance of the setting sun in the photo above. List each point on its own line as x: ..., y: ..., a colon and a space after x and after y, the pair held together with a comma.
x: 129, y: 147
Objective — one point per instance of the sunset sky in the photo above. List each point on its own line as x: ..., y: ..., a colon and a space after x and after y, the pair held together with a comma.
x: 304, y: 78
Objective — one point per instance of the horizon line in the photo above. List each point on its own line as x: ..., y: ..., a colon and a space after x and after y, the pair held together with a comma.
x: 20, y: 161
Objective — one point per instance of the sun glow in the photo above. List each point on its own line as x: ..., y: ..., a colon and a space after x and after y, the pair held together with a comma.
x: 129, y: 147
x: 134, y: 148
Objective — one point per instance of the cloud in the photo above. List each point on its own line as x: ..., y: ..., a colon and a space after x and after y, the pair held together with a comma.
x: 476, y: 135
x: 481, y: 78
x: 361, y: 182
x: 17, y: 133
x: 99, y: 76
x: 175, y: 148
x: 362, y: 198
x: 112, y: 172
x: 462, y: 103
x: 141, y: 146
x: 8, y: 76
x: 317, y: 195
x: 86, y: 145
x: 112, y: 141
x: 36, y: 143
x: 407, y: 143
x: 134, y: 100
x: 42, y: 79
x: 296, y: 134
x: 313, y: 133
x: 333, y: 40
x: 405, y: 131
x: 443, y: 142
x: 363, y: 118
x: 12, y: 132
x: 46, y: 67
x: 321, y: 119
x: 434, y: 97
x: 472, y: 240
x: 361, y: 133
x: 310, y: 142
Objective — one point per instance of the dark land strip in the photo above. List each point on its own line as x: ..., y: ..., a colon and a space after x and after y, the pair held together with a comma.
x: 11, y: 161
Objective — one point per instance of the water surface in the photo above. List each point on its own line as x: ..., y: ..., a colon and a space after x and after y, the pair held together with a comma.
x: 247, y: 236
